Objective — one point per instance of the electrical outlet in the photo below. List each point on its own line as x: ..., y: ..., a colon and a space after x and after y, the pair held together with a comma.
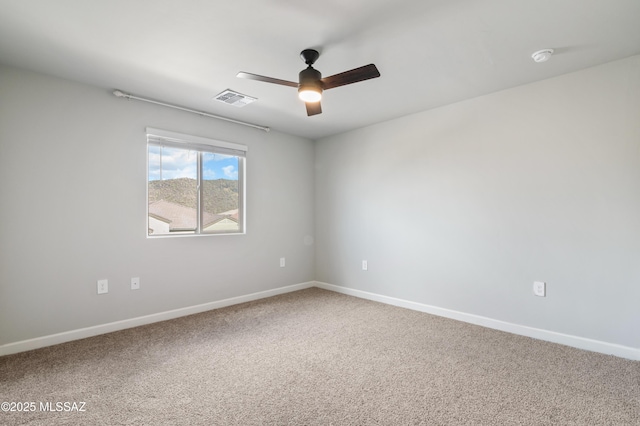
x: 540, y: 289
x: 365, y: 265
x: 282, y: 262
x: 135, y: 283
x: 103, y: 286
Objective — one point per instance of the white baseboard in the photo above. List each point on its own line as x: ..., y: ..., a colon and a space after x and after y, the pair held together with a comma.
x: 550, y: 336
x: 536, y: 333
x: 67, y: 336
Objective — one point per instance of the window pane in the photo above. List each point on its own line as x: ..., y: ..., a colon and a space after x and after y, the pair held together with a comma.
x: 173, y: 194
x: 220, y: 195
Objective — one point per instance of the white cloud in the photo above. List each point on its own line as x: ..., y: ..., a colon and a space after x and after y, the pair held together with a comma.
x: 208, y: 174
x: 175, y: 163
x: 230, y: 172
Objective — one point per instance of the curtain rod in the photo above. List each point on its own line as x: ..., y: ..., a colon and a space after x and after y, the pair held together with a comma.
x: 121, y: 94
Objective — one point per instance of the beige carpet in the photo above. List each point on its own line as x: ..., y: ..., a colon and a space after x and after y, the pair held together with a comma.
x: 315, y: 357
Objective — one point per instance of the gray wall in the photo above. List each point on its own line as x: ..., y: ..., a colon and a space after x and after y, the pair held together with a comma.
x: 73, y: 188
x: 464, y: 206
x: 460, y: 207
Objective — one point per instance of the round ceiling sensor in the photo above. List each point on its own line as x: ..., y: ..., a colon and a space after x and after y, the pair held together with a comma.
x: 542, y: 55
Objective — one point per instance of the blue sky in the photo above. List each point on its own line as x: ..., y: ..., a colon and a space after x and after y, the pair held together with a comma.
x: 177, y: 163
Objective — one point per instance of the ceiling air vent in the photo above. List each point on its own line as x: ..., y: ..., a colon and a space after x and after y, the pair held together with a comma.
x: 234, y: 98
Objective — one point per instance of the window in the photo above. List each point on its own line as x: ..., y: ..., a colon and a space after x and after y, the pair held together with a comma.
x: 195, y: 185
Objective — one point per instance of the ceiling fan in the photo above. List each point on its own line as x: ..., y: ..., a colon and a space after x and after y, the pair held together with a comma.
x: 311, y: 84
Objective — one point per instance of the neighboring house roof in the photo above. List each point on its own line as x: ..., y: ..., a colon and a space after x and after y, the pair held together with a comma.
x: 231, y: 214
x: 183, y: 218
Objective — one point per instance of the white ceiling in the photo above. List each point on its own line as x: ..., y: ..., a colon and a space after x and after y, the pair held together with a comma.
x: 430, y: 52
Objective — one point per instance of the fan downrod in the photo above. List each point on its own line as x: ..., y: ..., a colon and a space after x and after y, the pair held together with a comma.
x: 309, y: 56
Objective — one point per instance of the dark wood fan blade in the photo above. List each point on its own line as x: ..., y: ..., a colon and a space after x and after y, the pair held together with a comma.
x: 353, y: 76
x: 257, y: 77
x: 313, y: 108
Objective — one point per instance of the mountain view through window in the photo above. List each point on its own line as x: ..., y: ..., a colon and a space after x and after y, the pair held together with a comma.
x: 176, y: 203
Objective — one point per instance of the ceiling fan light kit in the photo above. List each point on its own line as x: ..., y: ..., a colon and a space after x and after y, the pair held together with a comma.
x: 310, y: 94
x: 311, y: 84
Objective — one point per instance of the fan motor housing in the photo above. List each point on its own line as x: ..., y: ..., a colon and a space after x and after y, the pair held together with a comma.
x: 310, y: 78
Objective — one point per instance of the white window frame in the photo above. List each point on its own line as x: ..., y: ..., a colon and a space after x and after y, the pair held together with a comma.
x: 158, y: 137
